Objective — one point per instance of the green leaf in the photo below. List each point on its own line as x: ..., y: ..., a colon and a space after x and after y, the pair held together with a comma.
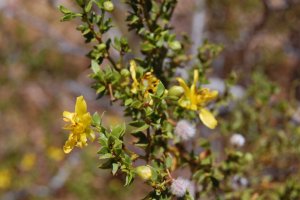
x: 80, y: 2
x: 169, y: 161
x: 115, y: 167
x: 141, y: 129
x: 95, y: 66
x: 70, y: 16
x: 106, y: 165
x: 103, y: 141
x: 88, y: 7
x: 160, y: 89
x: 128, y: 102
x: 129, y: 178
x: 106, y: 156
x: 100, y: 89
x: 118, y: 131
x: 64, y: 10
x: 96, y: 119
x: 147, y: 46
x: 137, y: 123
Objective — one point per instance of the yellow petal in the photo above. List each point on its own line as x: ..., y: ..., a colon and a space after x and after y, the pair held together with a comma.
x: 196, y: 77
x: 184, y: 86
x: 135, y: 83
x: 70, y: 143
x: 133, y: 70
x: 80, y: 106
x: 68, y: 116
x: 208, y: 118
x: 82, y: 141
x: 86, y: 119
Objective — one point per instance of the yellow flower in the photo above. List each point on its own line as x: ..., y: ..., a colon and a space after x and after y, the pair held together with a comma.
x: 150, y: 83
x: 55, y: 153
x: 147, y: 84
x: 5, y: 178
x: 79, y: 126
x: 196, y: 100
x: 28, y: 161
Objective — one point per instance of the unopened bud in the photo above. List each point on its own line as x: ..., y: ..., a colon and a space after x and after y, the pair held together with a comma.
x: 108, y: 6
x: 175, y: 91
x: 144, y: 172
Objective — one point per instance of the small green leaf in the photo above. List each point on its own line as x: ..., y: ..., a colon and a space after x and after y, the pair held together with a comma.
x: 160, y: 89
x: 100, y: 89
x: 106, y: 165
x: 64, y: 10
x: 147, y: 46
x: 140, y: 129
x: 127, y: 102
x: 169, y: 161
x: 129, y: 178
x: 106, y: 156
x: 95, y: 66
x: 88, y: 7
x: 96, y: 119
x: 115, y: 167
x: 118, y: 131
x: 137, y: 123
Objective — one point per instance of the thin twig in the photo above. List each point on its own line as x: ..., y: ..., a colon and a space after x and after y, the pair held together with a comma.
x: 99, y: 37
x: 112, y: 98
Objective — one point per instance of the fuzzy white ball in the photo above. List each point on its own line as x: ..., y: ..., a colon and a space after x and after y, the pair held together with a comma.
x: 180, y: 186
x: 237, y: 140
x: 185, y: 130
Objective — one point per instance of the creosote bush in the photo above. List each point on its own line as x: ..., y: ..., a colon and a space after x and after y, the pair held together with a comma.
x: 165, y: 112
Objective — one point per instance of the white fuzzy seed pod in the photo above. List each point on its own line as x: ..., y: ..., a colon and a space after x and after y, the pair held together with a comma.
x: 180, y: 186
x: 185, y: 130
x: 237, y: 140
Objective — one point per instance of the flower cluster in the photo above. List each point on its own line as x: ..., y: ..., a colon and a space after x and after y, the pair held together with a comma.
x: 147, y: 84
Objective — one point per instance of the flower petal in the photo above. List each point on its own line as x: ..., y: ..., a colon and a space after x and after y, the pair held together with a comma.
x: 184, y: 86
x: 80, y: 106
x: 68, y: 116
x: 208, y: 118
x: 70, y: 143
x: 135, y: 83
x: 196, y: 77
x: 133, y: 70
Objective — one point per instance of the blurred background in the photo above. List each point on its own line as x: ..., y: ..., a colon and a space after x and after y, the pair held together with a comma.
x: 43, y: 68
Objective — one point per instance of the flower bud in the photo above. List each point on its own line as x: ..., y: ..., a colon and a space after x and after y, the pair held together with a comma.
x: 175, y: 91
x: 108, y: 6
x: 144, y: 172
x: 175, y: 45
x: 185, y: 130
